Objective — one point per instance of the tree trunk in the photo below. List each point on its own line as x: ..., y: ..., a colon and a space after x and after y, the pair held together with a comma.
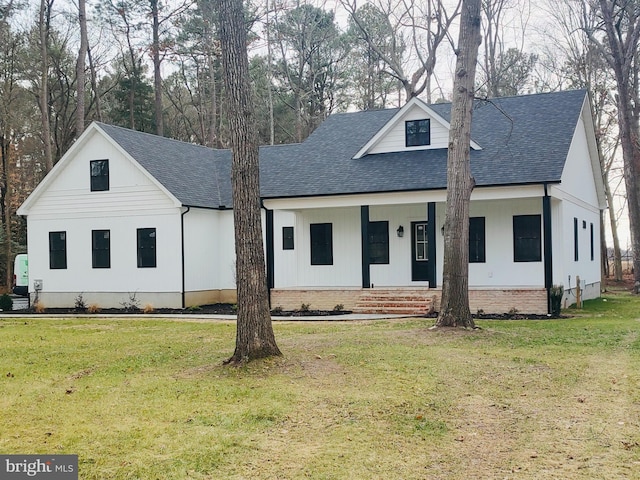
x: 44, y: 19
x: 254, y: 336
x: 454, y: 306
x: 80, y: 68
x: 157, y: 76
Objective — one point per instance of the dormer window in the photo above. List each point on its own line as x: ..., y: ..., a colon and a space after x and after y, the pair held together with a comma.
x: 417, y: 132
x: 99, y: 175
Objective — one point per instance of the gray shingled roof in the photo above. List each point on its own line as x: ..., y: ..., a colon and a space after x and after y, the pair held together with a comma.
x: 524, y: 140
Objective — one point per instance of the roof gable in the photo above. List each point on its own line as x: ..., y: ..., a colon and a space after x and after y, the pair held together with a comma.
x: 391, y: 137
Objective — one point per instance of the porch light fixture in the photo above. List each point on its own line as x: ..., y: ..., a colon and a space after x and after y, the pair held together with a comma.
x: 400, y: 231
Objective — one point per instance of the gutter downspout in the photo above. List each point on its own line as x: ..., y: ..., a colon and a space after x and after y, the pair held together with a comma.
x: 182, y: 253
x: 548, y: 247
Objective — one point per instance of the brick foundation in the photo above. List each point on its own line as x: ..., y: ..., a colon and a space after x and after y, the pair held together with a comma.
x: 523, y: 300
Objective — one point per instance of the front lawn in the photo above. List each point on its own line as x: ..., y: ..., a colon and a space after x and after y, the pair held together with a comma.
x: 388, y: 399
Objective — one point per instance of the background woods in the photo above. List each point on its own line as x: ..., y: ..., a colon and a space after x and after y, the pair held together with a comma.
x: 156, y: 66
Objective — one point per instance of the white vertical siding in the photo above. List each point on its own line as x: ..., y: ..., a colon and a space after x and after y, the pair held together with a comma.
x: 209, y: 250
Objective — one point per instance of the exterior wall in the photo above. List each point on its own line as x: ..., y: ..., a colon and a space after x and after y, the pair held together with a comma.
x: 293, y: 267
x: 394, y: 140
x: 579, y: 200
x: 132, y: 201
x: 500, y: 270
x: 209, y: 250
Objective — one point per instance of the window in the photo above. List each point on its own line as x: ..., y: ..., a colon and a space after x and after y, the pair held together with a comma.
x: 379, y: 242
x: 417, y: 132
x: 146, y: 247
x: 321, y: 244
x: 575, y: 239
x: 287, y: 238
x: 99, y: 175
x: 527, y: 238
x: 57, y: 250
x: 476, y: 240
x: 100, y: 249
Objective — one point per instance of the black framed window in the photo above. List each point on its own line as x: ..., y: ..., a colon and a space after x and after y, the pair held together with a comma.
x: 99, y: 175
x: 417, y: 132
x: 592, y: 243
x: 287, y: 238
x: 379, y: 242
x: 321, y: 243
x: 477, y: 248
x: 146, y: 247
x: 101, y: 249
x: 575, y: 239
x: 527, y: 238
x: 57, y: 250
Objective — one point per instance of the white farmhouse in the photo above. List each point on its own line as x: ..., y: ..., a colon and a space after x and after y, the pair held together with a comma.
x: 353, y: 216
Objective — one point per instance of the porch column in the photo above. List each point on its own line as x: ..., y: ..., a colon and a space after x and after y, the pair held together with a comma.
x: 548, y: 248
x: 269, y: 250
x: 364, y: 239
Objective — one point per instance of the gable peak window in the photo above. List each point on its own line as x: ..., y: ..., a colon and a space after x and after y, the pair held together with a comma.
x: 417, y: 132
x: 99, y: 171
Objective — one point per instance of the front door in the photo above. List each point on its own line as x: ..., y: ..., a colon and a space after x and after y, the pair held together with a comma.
x: 421, y: 253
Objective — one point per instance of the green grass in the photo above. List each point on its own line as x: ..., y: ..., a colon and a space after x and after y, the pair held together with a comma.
x: 149, y: 399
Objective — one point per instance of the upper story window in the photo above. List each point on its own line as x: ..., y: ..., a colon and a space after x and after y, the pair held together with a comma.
x: 146, y: 247
x: 99, y: 175
x: 417, y: 132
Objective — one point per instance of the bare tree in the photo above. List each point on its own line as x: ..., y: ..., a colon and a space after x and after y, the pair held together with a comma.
x: 80, y: 67
x: 428, y: 24
x: 454, y: 308
x: 620, y: 22
x: 254, y: 336
x: 44, y: 21
x: 584, y: 67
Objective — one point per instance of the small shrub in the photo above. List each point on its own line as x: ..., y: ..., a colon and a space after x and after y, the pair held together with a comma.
x: 6, y: 303
x: 556, y: 293
x: 338, y: 308
x: 132, y: 304
x: 148, y: 308
x: 234, y: 307
x: 93, y: 308
x: 194, y: 308
x: 277, y: 310
x: 80, y: 304
x: 513, y: 311
x: 480, y: 312
x: 39, y: 307
x: 304, y: 307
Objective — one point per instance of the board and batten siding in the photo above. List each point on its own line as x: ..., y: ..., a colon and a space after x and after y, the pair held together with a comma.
x: 394, y: 140
x: 133, y: 201
x: 209, y: 250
